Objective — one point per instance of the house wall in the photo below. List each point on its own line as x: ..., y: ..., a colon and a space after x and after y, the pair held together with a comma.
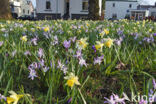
x: 41, y: 6
x: 58, y: 8
x: 17, y: 7
x: 25, y: 6
x: 151, y: 11
x: 121, y: 8
x: 76, y: 11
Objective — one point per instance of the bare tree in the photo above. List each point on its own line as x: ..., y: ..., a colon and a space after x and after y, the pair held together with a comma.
x: 5, y: 11
x: 94, y: 9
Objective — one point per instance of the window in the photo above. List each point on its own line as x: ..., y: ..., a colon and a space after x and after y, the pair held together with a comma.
x: 130, y: 5
x: 114, y: 16
x: 28, y: 11
x: 48, y: 5
x: 12, y: 8
x: 85, y: 5
x: 113, y: 4
x: 23, y: 11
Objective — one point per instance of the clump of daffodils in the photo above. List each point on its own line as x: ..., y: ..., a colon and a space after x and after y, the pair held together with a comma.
x: 72, y: 80
x: 104, y: 32
x: 82, y: 43
x: 108, y: 42
x: 14, y: 98
x: 99, y: 46
x: 46, y: 29
x: 24, y: 38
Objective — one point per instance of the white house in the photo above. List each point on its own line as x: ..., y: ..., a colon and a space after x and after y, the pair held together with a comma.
x: 58, y: 9
x: 21, y: 7
x: 119, y: 9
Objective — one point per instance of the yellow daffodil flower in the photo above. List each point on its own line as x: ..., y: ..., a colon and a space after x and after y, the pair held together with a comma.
x: 108, y: 42
x: 82, y: 43
x: 14, y: 98
x: 46, y: 29
x: 99, y: 45
x: 72, y: 80
x: 102, y: 34
x: 106, y: 31
x: 150, y: 30
x: 24, y: 38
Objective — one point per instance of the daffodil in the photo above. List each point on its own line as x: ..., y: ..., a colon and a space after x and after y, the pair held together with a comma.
x: 150, y: 30
x: 72, y: 80
x: 82, y: 43
x: 108, y: 42
x: 106, y: 31
x: 14, y: 98
x: 102, y: 33
x: 46, y: 29
x: 24, y: 38
x: 99, y: 45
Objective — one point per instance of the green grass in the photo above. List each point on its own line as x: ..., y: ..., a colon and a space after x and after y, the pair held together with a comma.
x: 135, y: 59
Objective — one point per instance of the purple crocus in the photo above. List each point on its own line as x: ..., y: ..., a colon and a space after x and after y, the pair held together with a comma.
x: 93, y: 47
x: 120, y: 32
x: 82, y: 62
x: 2, y: 97
x: 1, y: 43
x: 118, y: 41
x: 154, y: 34
x: 62, y: 67
x: 13, y: 53
x: 115, y: 99
x: 154, y: 83
x: 143, y: 101
x: 67, y: 44
x: 55, y: 40
x: 27, y: 53
x: 32, y: 74
x: 78, y: 54
x: 34, y: 41
x: 33, y: 66
x: 110, y: 101
x: 73, y: 39
x: 69, y: 100
x: 40, y: 53
x: 98, y: 60
x: 45, y: 69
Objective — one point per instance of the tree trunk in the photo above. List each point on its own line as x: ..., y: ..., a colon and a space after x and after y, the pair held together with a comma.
x: 5, y: 11
x: 94, y: 9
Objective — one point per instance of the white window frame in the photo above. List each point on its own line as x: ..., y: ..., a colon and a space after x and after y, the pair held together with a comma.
x: 46, y: 5
x: 82, y: 5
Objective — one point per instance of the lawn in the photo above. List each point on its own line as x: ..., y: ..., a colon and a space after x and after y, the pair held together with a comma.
x: 76, y: 62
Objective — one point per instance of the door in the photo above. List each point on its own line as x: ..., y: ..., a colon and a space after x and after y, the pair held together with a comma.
x: 140, y: 16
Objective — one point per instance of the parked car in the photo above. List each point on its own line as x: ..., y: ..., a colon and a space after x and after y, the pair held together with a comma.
x: 27, y: 17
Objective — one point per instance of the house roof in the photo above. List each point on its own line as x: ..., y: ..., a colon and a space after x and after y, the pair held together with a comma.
x: 146, y: 6
x: 123, y: 0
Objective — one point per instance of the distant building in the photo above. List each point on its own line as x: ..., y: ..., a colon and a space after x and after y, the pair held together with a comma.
x: 21, y: 7
x: 15, y: 8
x: 63, y: 9
x: 119, y: 9
x: 150, y: 10
x: 130, y: 9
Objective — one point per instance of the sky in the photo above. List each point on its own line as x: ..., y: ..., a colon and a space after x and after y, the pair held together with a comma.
x: 34, y: 2
x: 143, y: 2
